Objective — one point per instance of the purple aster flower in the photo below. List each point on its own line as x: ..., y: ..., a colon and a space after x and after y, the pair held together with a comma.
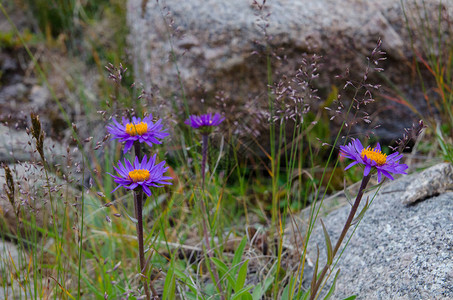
x: 137, y: 130
x: 373, y: 159
x: 143, y: 174
x: 205, y: 122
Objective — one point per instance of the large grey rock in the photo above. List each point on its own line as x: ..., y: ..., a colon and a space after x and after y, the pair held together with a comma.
x: 398, y: 251
x: 214, y: 43
x: 17, y: 145
x: 9, y: 256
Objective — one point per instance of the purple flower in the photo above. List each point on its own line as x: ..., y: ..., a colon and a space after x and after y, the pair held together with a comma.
x: 373, y: 159
x: 205, y: 122
x: 143, y: 174
x: 137, y: 130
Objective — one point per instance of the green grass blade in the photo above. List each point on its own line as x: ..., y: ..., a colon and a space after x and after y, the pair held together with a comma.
x: 242, y: 275
x: 332, y: 288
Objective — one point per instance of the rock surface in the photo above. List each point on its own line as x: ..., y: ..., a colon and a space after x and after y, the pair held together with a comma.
x: 433, y: 181
x: 14, y: 146
x: 214, y: 44
x: 12, y: 265
x: 30, y: 197
x: 397, y: 251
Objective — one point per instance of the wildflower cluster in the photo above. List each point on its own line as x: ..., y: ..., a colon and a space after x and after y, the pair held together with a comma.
x: 141, y: 174
x: 146, y: 173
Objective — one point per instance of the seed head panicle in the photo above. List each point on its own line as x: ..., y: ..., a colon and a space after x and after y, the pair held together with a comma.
x: 38, y: 134
x: 410, y: 134
x: 9, y: 187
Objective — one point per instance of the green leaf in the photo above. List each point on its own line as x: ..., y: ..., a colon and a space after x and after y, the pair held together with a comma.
x: 224, y: 269
x: 169, y: 283
x: 292, y: 282
x: 246, y: 296
x: 134, y: 220
x: 332, y: 288
x: 191, y: 296
x: 239, y: 252
x: 351, y: 297
x: 186, y: 280
x: 302, y: 294
x: 447, y: 148
x: 346, y: 192
x: 243, y: 293
x: 242, y: 275
x: 260, y: 290
x: 362, y: 212
x: 328, y: 244
x: 315, y: 271
x: 285, y: 294
x: 305, y: 295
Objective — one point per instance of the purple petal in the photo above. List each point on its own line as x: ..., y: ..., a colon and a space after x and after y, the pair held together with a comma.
x: 120, y: 171
x: 367, y: 170
x: 116, y: 188
x: 133, y: 186
x: 144, y: 161
x: 387, y: 174
x: 350, y: 165
x: 378, y: 146
x: 392, y: 155
x: 146, y: 190
x: 358, y: 145
x: 128, y: 146
x: 136, y: 163
x: 129, y: 166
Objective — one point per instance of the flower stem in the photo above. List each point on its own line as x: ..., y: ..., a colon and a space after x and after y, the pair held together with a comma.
x: 138, y: 201
x: 208, y: 248
x: 138, y: 210
x: 204, y: 152
x: 352, y: 213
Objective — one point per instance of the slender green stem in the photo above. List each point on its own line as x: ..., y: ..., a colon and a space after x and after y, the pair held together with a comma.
x: 79, y: 275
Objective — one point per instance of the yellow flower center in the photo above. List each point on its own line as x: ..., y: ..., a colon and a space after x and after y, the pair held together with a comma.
x: 375, y: 155
x: 136, y: 129
x: 139, y: 175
